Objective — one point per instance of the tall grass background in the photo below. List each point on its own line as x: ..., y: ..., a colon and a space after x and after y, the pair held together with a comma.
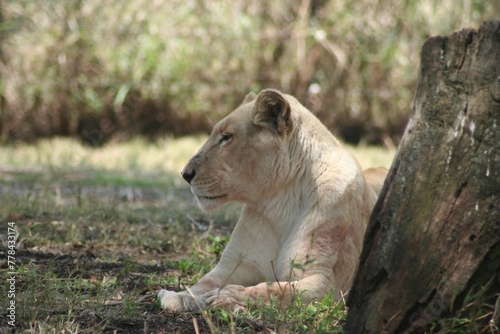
x: 111, y: 70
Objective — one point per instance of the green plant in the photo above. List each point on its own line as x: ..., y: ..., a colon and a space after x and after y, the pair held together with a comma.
x: 474, y: 315
x: 321, y: 316
x: 216, y: 245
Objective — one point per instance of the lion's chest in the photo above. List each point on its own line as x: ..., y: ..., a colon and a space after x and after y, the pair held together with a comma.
x: 271, y: 253
x: 285, y: 261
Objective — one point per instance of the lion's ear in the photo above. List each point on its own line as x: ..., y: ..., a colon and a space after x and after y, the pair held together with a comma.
x: 249, y: 98
x: 273, y: 110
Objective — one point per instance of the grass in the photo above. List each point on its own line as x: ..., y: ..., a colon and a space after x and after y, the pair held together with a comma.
x: 99, y: 231
x: 122, y: 164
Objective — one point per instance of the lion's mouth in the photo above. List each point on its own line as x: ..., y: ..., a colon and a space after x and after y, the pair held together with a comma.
x: 210, y: 198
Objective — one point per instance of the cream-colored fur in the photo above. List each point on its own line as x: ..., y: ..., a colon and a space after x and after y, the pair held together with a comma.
x: 305, y: 200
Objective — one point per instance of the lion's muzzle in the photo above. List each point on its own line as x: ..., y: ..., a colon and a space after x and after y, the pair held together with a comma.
x: 188, y: 174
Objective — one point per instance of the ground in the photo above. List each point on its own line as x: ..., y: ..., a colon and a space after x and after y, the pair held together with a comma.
x: 82, y: 271
x: 99, y: 317
x: 93, y: 234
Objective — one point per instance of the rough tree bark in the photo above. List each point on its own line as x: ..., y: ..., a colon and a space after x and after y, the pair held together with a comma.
x: 435, y: 232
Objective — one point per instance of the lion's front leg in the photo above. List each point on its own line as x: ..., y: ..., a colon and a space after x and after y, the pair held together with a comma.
x: 180, y: 301
x: 193, y: 298
x: 231, y: 297
x: 235, y: 297
x: 225, y: 273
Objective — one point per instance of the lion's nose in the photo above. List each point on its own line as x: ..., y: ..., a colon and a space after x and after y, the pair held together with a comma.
x: 188, y: 175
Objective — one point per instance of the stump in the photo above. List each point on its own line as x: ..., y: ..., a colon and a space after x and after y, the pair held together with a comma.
x: 434, y: 235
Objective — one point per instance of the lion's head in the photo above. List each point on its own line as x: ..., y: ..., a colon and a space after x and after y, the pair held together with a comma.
x: 244, y: 152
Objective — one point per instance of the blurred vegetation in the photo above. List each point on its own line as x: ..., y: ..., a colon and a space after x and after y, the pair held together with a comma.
x: 115, y: 69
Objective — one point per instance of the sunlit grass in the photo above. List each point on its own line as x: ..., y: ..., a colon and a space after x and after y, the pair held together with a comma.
x: 373, y: 156
x: 135, y: 157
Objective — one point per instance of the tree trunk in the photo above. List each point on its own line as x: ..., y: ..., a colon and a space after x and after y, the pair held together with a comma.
x: 434, y: 235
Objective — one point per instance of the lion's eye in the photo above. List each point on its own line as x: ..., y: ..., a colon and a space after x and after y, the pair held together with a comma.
x: 226, y: 136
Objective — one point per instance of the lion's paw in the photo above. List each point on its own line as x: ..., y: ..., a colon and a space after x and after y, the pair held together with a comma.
x: 178, y: 301
x: 231, y: 297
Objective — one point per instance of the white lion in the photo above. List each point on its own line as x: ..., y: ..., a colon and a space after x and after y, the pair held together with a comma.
x: 306, y: 204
